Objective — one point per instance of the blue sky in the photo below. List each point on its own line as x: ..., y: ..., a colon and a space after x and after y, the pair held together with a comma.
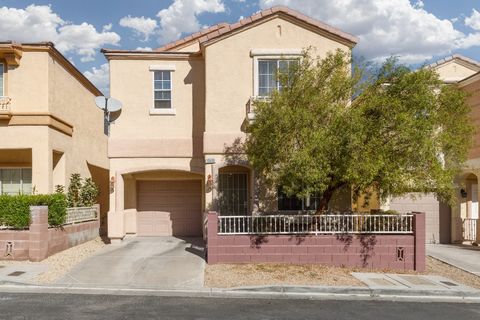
x: 416, y: 31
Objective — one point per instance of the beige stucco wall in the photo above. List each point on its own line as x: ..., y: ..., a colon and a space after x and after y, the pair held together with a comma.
x: 229, y: 74
x: 453, y: 71
x: 42, y: 87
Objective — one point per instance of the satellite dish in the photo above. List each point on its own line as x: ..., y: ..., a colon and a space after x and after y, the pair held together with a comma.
x: 108, y: 104
x: 113, y: 105
x: 101, y: 102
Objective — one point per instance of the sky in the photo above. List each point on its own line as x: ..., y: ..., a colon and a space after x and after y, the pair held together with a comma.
x: 415, y: 31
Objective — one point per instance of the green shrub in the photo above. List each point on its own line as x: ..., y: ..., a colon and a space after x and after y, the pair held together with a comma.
x: 88, y: 193
x: 15, y: 210
x: 81, y: 193
x: 74, y: 187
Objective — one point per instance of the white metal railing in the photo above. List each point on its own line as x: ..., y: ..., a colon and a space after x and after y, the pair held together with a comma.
x: 470, y: 229
x: 316, y: 224
x: 80, y: 214
x: 5, y: 103
x: 251, y: 106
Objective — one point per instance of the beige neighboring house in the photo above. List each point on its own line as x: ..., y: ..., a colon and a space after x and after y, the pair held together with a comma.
x: 184, y: 105
x: 49, y: 124
x: 444, y: 224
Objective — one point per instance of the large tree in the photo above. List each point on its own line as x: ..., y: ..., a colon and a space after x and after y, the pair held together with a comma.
x: 392, y: 131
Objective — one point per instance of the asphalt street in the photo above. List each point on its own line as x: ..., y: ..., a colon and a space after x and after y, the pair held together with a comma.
x: 77, y: 306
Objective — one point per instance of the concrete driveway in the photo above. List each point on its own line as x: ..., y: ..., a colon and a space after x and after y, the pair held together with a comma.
x: 160, y: 263
x: 461, y: 256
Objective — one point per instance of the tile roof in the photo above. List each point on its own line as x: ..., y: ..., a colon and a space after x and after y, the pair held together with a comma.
x: 224, y: 28
x: 455, y: 57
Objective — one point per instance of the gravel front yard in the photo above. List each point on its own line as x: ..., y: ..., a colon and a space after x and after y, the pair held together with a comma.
x: 241, y: 275
x: 59, y: 264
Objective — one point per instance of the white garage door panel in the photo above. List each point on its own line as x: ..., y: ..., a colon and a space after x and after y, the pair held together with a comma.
x: 176, y: 202
x: 424, y: 203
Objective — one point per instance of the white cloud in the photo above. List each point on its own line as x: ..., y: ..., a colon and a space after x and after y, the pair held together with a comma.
x: 386, y: 28
x: 100, y: 77
x: 141, y: 26
x: 40, y: 23
x: 144, y: 49
x: 474, y: 20
x: 181, y: 17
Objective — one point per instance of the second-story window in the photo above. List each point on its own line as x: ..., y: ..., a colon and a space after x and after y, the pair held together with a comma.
x: 269, y: 74
x: 162, y: 85
x: 1, y: 80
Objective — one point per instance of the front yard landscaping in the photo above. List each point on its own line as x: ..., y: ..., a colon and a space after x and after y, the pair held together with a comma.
x: 244, y: 275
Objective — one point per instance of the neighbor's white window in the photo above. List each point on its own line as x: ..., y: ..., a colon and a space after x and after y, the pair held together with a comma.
x: 269, y: 72
x: 1, y: 80
x: 15, y: 181
x: 162, y: 86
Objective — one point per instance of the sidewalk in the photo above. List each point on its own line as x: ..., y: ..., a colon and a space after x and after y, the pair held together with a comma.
x: 464, y: 257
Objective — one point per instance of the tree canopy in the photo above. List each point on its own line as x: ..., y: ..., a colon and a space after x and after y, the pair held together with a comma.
x: 333, y: 125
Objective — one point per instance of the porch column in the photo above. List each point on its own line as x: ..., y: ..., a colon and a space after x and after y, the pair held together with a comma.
x: 42, y: 169
x: 456, y: 221
x: 119, y: 193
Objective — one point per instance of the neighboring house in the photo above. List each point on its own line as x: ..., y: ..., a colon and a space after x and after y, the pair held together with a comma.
x: 49, y: 124
x: 442, y: 222
x: 185, y: 104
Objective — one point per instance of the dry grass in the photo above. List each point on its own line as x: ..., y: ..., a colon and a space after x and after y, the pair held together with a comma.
x: 436, y: 267
x: 242, y: 275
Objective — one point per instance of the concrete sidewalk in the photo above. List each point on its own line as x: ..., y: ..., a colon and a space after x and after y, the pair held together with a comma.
x: 464, y: 257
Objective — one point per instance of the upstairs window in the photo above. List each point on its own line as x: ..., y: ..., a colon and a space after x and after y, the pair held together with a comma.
x: 162, y: 86
x: 1, y: 80
x: 270, y: 72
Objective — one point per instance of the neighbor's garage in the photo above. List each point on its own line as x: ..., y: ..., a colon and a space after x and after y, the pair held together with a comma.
x: 171, y: 207
x: 437, y: 215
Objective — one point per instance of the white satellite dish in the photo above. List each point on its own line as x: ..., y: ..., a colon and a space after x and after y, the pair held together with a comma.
x: 108, y: 104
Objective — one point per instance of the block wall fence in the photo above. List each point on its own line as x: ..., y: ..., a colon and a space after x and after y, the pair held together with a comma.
x: 40, y: 241
x: 371, y: 251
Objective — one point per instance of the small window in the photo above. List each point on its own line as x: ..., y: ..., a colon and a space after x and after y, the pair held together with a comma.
x: 162, y: 89
x: 1, y: 80
x: 16, y: 181
x: 269, y: 72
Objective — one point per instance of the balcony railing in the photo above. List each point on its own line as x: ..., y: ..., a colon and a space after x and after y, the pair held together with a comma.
x: 251, y: 106
x: 5, y: 107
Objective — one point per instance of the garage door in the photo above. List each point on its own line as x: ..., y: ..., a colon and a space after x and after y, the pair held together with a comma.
x: 182, y: 200
x: 437, y: 215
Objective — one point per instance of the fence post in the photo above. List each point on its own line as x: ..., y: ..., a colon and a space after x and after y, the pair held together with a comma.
x: 212, y: 236
x: 38, y: 233
x: 419, y: 234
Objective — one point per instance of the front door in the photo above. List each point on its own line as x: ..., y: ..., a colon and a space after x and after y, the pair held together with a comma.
x: 233, y: 194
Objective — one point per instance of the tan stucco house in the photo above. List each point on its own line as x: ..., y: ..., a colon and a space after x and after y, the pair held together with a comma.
x: 49, y: 124
x: 444, y: 224
x: 184, y: 104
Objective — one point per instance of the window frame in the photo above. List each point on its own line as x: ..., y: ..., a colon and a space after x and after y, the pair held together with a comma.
x: 278, y: 85
x: 270, y: 54
x: 162, y: 111
x: 21, y: 178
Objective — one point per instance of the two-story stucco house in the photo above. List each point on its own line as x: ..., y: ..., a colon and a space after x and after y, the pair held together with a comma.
x: 184, y: 104
x: 49, y: 124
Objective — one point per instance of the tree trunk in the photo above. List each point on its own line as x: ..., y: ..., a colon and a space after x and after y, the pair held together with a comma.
x: 325, y: 199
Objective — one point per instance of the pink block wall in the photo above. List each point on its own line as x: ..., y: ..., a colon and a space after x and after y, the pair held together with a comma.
x: 364, y: 251
x: 40, y: 241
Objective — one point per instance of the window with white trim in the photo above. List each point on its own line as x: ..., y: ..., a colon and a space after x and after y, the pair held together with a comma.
x: 162, y: 87
x: 269, y: 74
x: 15, y: 181
x: 1, y: 80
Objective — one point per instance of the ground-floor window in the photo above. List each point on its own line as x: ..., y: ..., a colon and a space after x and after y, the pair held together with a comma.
x: 15, y: 181
x: 233, y: 194
x: 293, y: 203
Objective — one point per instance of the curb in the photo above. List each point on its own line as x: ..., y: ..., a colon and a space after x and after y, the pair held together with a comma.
x: 272, y: 292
